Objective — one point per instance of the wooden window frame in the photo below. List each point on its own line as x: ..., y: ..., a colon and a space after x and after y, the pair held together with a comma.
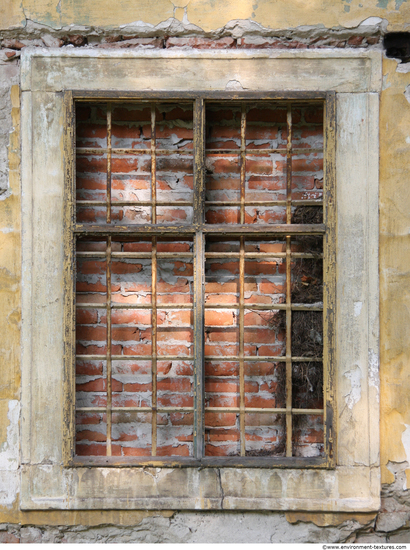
x: 199, y: 230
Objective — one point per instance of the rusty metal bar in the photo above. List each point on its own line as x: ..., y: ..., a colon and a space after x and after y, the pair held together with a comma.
x: 136, y: 409
x: 135, y: 255
x: 109, y: 132
x: 243, y: 161
x: 153, y: 167
x: 289, y: 287
x: 268, y: 307
x: 187, y: 152
x: 249, y: 151
x: 276, y: 358
x: 133, y: 203
x: 250, y: 306
x: 108, y: 357
x: 254, y: 410
x: 154, y: 346
x: 256, y: 255
x: 217, y: 255
x: 301, y: 202
x: 147, y: 152
x: 135, y: 306
x: 138, y: 357
x: 241, y: 346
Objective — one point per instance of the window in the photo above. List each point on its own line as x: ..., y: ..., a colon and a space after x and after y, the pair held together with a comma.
x: 54, y: 474
x: 199, y: 298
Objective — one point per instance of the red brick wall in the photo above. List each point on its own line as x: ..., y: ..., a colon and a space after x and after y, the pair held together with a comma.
x: 265, y: 280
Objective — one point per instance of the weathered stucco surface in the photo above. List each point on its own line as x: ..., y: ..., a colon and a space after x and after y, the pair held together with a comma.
x: 395, y: 268
x: 51, y: 19
x: 207, y: 15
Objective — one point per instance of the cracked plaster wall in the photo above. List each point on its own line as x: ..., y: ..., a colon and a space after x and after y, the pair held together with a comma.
x: 48, y: 22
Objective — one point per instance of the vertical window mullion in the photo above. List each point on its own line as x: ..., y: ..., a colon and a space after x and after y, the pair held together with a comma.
x: 199, y: 277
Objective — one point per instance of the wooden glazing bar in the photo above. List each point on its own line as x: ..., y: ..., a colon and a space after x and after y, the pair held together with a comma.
x: 109, y: 132
x: 109, y: 338
x: 153, y: 167
x: 241, y: 346
x: 180, y: 230
x: 154, y: 346
x: 288, y: 288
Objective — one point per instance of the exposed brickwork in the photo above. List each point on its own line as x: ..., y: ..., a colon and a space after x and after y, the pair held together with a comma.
x: 251, y: 41
x: 265, y: 279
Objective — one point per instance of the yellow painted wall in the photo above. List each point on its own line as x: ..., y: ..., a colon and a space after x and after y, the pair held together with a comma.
x: 395, y: 266
x: 207, y: 14
x: 394, y: 194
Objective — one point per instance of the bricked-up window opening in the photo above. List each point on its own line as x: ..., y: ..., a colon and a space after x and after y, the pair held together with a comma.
x: 199, y: 281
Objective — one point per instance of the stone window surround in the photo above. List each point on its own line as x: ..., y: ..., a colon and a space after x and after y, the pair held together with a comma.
x: 354, y: 483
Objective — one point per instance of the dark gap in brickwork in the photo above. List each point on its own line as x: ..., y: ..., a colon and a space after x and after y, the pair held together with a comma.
x: 397, y: 45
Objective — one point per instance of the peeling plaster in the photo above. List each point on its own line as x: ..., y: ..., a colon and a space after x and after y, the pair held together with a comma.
x: 357, y: 308
x: 354, y: 395
x: 403, y: 68
x: 9, y: 449
x: 407, y: 96
x: 9, y: 458
x: 234, y: 85
x: 405, y: 439
x: 374, y: 372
